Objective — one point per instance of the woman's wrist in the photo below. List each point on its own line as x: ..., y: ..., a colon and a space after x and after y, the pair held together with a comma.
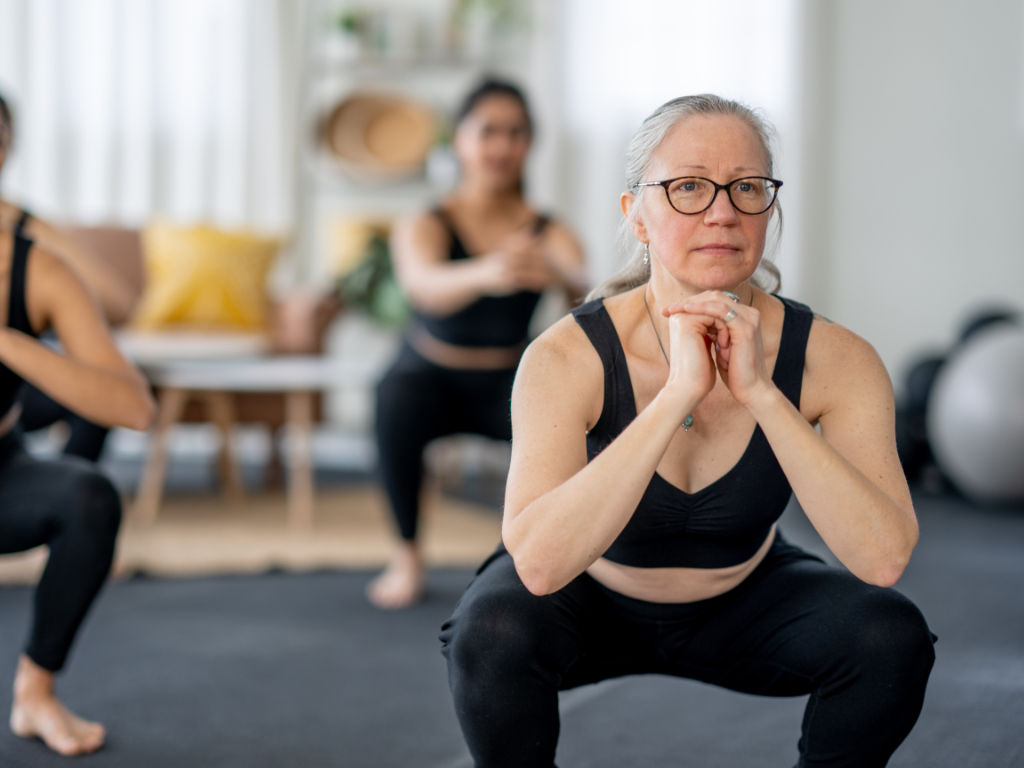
x: 766, y: 400
x: 674, y: 405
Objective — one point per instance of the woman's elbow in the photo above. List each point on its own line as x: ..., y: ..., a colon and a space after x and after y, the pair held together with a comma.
x: 143, y: 411
x: 538, y: 581
x: 537, y: 577
x: 888, y: 572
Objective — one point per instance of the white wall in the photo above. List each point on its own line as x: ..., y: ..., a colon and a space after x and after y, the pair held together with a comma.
x: 917, y: 200
x: 622, y: 60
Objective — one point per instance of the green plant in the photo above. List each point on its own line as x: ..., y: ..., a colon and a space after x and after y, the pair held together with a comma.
x: 373, y: 287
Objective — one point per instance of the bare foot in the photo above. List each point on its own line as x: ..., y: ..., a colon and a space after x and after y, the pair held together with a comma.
x: 36, y: 713
x: 401, y: 583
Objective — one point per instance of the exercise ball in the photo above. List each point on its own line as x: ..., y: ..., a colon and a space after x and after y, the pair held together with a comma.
x: 976, y: 416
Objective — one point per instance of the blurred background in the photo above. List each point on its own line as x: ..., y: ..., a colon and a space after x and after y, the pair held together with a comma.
x: 169, y: 137
x: 239, y: 163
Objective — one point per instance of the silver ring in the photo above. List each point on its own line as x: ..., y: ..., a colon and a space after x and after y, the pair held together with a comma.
x: 732, y: 296
x: 730, y: 315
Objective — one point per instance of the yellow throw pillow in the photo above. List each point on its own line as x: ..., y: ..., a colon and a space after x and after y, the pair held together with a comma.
x: 204, y: 278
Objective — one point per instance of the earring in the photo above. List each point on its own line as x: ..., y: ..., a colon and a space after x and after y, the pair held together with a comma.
x: 647, y: 254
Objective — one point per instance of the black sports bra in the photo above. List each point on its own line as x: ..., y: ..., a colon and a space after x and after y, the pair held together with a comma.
x: 490, y: 321
x: 17, y: 318
x: 725, y: 523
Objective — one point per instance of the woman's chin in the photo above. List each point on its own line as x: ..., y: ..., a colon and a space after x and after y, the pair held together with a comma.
x: 725, y: 280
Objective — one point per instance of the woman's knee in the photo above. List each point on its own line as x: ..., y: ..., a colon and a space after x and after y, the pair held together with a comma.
x: 94, y: 503
x: 505, y: 630
x: 893, y: 637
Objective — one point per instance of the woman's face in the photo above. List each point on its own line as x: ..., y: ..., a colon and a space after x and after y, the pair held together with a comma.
x: 492, y: 142
x: 719, y: 248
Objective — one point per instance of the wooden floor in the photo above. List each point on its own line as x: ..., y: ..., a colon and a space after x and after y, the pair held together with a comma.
x: 202, y: 535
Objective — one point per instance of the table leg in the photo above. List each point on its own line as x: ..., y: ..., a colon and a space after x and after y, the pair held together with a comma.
x: 299, y: 413
x: 151, y: 487
x: 221, y: 410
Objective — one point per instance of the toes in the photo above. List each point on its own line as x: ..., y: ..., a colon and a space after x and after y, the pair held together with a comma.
x: 60, y: 730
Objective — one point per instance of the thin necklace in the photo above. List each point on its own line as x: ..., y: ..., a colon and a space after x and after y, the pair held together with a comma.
x: 688, y: 421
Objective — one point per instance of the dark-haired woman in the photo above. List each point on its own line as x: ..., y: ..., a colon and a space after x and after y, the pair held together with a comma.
x: 659, y: 434
x: 116, y: 298
x: 473, y: 269
x: 65, y: 504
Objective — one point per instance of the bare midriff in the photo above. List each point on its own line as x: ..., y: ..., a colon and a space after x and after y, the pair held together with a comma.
x: 470, y: 358
x: 676, y: 585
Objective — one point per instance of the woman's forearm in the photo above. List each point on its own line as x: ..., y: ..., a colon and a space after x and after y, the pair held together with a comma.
x: 106, y: 396
x: 560, y: 534
x: 444, y: 289
x: 864, y: 527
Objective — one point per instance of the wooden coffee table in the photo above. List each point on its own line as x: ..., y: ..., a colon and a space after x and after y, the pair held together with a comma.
x: 298, y: 378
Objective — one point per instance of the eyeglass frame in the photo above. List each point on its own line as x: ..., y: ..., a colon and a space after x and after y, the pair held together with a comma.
x: 718, y: 187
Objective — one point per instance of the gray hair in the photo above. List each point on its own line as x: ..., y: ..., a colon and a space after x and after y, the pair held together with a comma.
x: 639, y: 155
x: 6, y: 125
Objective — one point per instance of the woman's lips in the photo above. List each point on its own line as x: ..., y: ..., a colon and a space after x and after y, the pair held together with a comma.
x: 719, y: 249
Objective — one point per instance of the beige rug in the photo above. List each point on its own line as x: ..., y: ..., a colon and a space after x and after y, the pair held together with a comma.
x: 202, y: 535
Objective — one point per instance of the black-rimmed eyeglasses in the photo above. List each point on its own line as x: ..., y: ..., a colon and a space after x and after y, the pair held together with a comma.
x: 693, y: 194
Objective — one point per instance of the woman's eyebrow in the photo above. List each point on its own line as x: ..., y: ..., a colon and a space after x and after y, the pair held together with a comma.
x: 737, y: 169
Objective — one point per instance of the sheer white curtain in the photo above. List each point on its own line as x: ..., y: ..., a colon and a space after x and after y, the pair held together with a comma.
x: 130, y: 109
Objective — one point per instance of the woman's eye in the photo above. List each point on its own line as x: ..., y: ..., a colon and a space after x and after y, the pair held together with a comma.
x: 746, y: 186
x: 688, y: 186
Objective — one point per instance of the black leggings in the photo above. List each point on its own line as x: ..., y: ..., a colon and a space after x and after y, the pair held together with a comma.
x: 39, y: 411
x: 794, y: 626
x: 419, y: 401
x: 73, y: 509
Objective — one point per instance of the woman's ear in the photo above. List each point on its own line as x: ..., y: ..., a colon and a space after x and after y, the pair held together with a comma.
x: 626, y: 201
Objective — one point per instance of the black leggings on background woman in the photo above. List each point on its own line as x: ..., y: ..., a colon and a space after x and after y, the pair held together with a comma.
x: 75, y: 511
x: 419, y: 401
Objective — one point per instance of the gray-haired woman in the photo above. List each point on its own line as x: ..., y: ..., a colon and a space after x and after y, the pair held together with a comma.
x: 658, y: 436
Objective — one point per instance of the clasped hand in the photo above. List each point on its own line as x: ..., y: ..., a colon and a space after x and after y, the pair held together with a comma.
x: 702, y: 342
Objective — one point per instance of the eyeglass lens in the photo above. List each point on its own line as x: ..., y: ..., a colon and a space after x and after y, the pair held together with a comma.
x: 693, y: 195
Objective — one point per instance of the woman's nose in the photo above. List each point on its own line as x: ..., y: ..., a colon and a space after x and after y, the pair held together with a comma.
x: 721, y: 210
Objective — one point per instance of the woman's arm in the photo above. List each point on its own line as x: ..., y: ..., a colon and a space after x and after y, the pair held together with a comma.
x: 847, y: 479
x: 565, y: 255
x: 91, y: 377
x: 116, y: 296
x: 439, y: 286
x: 433, y: 282
x: 562, y: 513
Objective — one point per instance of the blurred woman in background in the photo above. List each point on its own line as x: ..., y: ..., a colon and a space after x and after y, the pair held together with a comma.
x: 116, y: 298
x: 473, y: 268
x: 65, y: 504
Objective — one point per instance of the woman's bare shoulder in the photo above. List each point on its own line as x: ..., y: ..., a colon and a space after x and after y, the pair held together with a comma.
x: 421, y: 223
x: 564, y: 344
x: 9, y: 215
x: 839, y: 362
x: 562, y: 364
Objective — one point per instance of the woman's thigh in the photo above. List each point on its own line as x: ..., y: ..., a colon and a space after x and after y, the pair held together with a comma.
x: 796, y: 625
x: 38, y: 498
x: 485, y: 402
x: 575, y: 634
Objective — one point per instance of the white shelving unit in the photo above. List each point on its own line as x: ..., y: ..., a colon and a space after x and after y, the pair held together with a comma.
x: 436, y: 78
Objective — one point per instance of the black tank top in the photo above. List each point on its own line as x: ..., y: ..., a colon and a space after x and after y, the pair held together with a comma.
x: 23, y: 220
x: 725, y: 523
x: 490, y: 321
x: 17, y: 318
